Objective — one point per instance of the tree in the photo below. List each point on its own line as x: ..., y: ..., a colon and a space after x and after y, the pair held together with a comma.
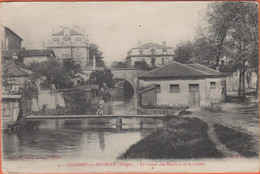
x: 94, y: 51
x: 99, y: 77
x: 231, y: 30
x: 184, y: 52
x: 244, y: 41
x: 54, y: 72
x: 142, y: 65
x: 119, y: 64
x: 219, y: 18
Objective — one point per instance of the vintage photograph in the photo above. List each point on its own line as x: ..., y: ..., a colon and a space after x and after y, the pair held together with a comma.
x: 129, y: 87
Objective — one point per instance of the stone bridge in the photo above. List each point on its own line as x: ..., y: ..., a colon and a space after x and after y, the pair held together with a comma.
x: 128, y: 74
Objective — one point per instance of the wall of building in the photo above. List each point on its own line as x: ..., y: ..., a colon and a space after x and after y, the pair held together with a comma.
x: 148, y: 60
x: 9, y: 40
x: 70, y: 45
x: 147, y: 51
x: 159, y: 61
x: 80, y: 53
x: 148, y: 98
x: 233, y: 82
x: 16, y: 84
x: 39, y: 59
x: 165, y: 97
x: 61, y: 53
x: 50, y: 99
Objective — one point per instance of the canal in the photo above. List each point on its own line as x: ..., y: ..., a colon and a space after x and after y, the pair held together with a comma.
x: 79, y: 139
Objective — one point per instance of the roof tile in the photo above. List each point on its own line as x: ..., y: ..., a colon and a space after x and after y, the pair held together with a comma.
x: 178, y: 70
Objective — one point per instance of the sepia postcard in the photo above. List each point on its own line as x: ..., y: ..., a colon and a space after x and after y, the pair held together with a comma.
x: 94, y: 87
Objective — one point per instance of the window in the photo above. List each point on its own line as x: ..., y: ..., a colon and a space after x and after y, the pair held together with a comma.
x: 78, y: 39
x: 158, y: 88
x: 164, y: 51
x: 152, y: 51
x: 66, y: 55
x: 212, y: 85
x: 163, y: 61
x: 56, y: 40
x: 66, y: 38
x: 174, y: 88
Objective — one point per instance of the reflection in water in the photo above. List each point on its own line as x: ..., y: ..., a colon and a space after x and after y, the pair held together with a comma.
x: 79, y: 139
x: 101, y: 140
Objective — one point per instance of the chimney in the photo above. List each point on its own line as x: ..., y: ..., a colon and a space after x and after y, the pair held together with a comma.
x: 139, y: 43
x: 164, y: 42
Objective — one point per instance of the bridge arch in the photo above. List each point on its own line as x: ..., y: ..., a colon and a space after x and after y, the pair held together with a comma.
x: 128, y: 74
x: 128, y: 87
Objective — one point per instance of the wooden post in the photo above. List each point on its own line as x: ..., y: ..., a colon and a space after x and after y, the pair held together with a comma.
x: 119, y: 123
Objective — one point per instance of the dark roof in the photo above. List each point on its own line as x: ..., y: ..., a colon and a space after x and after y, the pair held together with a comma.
x: 9, y: 53
x: 12, y: 70
x: 27, y: 53
x: 13, y: 32
x: 61, y: 33
x: 204, y: 69
x: 150, y: 44
x: 177, y: 70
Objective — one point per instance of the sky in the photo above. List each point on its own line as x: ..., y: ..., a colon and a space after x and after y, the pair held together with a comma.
x: 115, y: 27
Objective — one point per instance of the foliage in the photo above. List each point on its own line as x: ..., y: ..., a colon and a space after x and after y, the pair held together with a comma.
x: 55, y: 72
x: 227, y: 40
x: 183, y: 52
x: 119, y: 64
x: 98, y: 77
x: 94, y: 51
x: 142, y: 65
x: 77, y: 102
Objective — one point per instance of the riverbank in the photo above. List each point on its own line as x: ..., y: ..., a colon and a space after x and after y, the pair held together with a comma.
x: 181, y: 138
x: 232, y: 132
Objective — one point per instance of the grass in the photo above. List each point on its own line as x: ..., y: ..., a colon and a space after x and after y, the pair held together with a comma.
x: 235, y: 140
x: 181, y: 138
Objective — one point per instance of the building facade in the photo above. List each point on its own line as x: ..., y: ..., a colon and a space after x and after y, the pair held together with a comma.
x: 27, y: 57
x: 190, y: 85
x: 153, y: 54
x: 70, y: 43
x: 14, y: 78
x: 32, y: 56
x: 9, y: 39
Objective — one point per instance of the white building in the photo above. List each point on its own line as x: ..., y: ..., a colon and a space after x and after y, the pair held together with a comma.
x: 190, y: 85
x: 152, y: 53
x: 70, y: 43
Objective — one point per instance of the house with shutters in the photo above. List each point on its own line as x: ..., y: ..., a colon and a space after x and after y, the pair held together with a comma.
x: 153, y: 54
x: 179, y: 84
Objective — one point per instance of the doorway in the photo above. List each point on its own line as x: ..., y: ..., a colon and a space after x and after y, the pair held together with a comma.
x: 194, y: 95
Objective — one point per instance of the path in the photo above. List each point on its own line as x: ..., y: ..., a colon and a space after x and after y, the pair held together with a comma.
x: 211, y: 132
x: 220, y: 146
